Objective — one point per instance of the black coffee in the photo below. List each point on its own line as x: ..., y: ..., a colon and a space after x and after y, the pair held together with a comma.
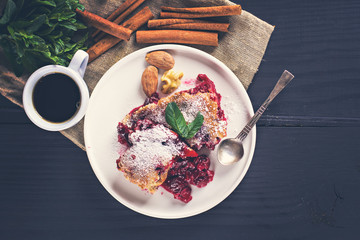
x: 56, y: 97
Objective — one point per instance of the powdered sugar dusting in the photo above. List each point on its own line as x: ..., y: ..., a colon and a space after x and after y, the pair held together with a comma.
x: 151, y: 148
x: 228, y: 106
x: 190, y: 109
x: 233, y: 112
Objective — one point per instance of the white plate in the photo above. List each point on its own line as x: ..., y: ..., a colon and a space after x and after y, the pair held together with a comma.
x: 119, y: 91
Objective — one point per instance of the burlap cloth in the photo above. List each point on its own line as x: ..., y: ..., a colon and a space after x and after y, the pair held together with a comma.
x: 241, y: 49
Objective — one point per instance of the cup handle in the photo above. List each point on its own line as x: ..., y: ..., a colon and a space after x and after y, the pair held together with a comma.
x: 79, y: 62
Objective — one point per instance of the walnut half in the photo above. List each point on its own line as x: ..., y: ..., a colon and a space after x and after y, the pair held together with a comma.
x: 171, y: 80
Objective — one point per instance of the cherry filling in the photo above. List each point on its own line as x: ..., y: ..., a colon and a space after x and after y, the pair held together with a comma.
x: 186, y: 171
x: 123, y: 134
x: 154, y: 98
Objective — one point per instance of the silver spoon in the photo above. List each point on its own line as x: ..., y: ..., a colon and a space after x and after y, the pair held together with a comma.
x: 231, y: 150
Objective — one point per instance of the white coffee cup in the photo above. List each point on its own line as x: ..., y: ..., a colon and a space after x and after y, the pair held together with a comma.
x: 75, y: 71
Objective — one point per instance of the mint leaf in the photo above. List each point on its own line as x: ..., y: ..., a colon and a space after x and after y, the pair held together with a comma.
x: 47, y: 3
x: 36, y: 23
x: 176, y: 120
x: 195, y: 125
x: 8, y: 12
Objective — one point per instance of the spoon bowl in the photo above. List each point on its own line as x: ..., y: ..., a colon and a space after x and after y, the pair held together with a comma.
x: 231, y: 150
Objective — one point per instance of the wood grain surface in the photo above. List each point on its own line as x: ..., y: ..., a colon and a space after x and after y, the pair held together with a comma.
x: 303, y: 182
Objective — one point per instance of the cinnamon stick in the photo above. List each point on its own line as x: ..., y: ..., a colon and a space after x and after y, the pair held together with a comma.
x: 187, y: 24
x: 105, y: 25
x: 109, y: 41
x: 177, y: 36
x: 200, y: 12
x: 121, y: 17
x: 116, y: 13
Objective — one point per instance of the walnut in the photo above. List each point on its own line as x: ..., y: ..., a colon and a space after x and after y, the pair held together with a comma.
x: 171, y: 80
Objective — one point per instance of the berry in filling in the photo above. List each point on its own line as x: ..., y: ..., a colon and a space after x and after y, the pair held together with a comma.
x: 185, y: 172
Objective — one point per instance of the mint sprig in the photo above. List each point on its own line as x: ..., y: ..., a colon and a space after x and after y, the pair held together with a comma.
x: 176, y: 120
x: 35, y: 33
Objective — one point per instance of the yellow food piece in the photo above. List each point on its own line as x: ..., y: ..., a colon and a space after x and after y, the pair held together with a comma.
x: 171, y: 81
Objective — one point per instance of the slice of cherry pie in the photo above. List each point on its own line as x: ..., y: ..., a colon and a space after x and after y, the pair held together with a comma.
x: 203, y: 98
x: 157, y: 156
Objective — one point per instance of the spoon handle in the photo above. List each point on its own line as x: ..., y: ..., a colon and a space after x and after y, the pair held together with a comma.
x: 285, y: 78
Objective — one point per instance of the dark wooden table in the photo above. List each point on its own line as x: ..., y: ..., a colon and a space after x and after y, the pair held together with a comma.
x: 304, y: 181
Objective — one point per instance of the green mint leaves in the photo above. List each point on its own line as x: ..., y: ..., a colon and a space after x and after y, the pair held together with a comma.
x: 34, y: 33
x: 176, y: 120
